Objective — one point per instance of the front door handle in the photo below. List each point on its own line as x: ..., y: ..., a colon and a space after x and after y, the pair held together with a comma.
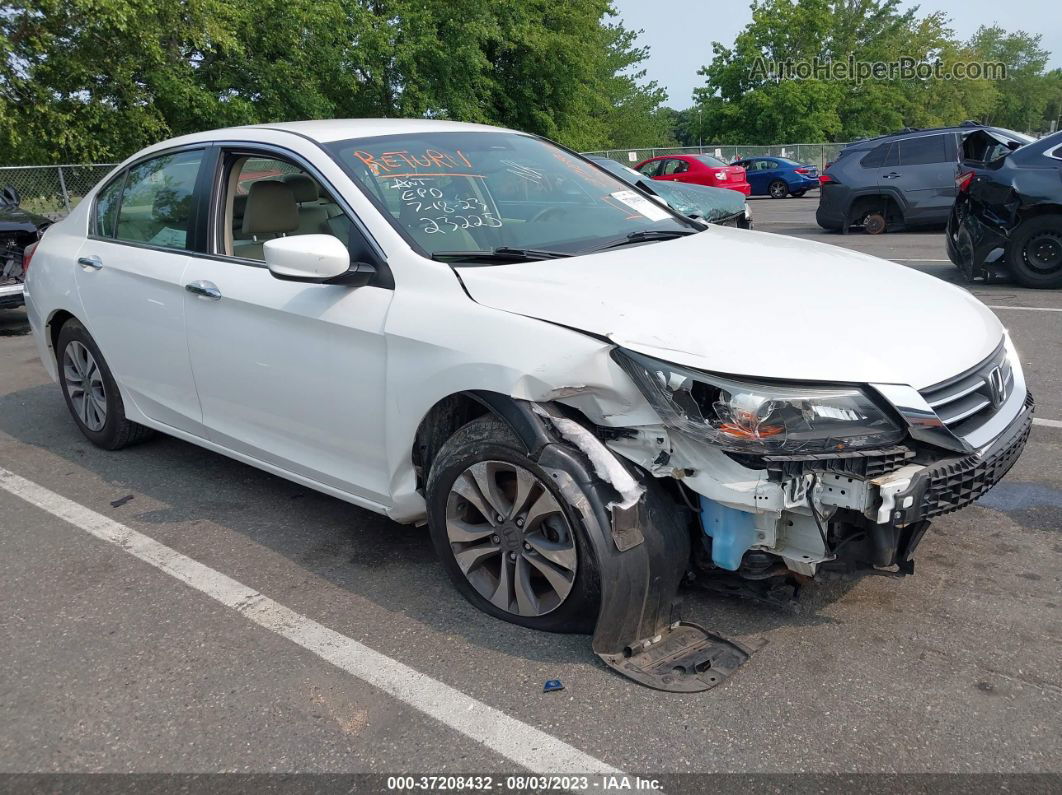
x: 205, y: 289
x: 92, y: 263
x: 891, y: 175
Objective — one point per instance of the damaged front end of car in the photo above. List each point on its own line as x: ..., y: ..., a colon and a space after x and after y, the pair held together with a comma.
x: 769, y: 483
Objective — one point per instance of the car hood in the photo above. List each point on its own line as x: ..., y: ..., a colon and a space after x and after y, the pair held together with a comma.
x: 712, y: 204
x: 755, y: 304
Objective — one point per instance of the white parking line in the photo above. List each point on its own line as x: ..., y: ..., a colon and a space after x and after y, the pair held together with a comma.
x: 1028, y: 308
x: 517, y: 741
x: 1048, y: 423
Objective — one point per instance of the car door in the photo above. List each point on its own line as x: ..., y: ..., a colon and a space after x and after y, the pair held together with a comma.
x: 130, y: 277
x: 925, y: 174
x: 759, y: 174
x: 289, y: 373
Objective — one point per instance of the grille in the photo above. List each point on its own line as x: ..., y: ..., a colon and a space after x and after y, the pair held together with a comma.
x: 869, y: 464
x: 968, y: 400
x: 956, y: 483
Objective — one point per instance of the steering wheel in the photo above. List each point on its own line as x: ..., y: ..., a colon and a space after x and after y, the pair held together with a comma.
x: 545, y: 213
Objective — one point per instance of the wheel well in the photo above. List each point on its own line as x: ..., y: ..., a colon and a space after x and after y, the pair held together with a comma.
x: 878, y: 201
x: 1041, y: 209
x: 438, y: 425
x: 55, y: 325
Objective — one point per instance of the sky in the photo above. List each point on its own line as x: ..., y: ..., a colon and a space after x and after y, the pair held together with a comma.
x: 679, y: 33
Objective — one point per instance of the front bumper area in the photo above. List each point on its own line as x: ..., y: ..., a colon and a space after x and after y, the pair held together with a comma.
x: 11, y: 296
x: 953, y: 483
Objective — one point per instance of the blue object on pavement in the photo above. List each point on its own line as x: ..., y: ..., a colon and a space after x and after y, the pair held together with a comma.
x: 551, y: 685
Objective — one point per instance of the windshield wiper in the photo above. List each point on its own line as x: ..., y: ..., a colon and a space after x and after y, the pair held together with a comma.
x: 646, y: 235
x: 500, y: 254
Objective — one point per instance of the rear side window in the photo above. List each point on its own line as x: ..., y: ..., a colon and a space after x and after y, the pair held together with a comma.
x: 919, y: 151
x: 156, y: 205
x: 107, y: 201
x: 882, y: 155
x: 676, y: 166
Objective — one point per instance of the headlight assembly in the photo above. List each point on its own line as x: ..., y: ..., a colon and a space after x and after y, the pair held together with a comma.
x: 760, y: 417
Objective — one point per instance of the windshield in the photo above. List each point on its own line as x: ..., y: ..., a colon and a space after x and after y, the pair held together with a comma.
x: 482, y: 191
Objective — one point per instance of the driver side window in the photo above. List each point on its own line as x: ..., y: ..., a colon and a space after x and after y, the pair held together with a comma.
x: 651, y: 168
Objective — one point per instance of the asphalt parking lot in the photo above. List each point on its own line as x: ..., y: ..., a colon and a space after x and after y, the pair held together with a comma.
x: 120, y: 662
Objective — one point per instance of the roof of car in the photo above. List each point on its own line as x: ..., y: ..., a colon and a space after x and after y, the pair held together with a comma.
x: 911, y: 131
x: 327, y: 130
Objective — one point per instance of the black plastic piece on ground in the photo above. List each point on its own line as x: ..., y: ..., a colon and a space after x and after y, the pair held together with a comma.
x: 684, y: 658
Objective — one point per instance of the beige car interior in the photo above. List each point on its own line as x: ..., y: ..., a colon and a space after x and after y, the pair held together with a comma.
x: 276, y: 205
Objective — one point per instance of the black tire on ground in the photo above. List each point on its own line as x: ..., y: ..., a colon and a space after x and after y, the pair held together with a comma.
x: 874, y: 223
x: 1034, y: 253
x: 799, y: 194
x: 116, y: 431
x: 778, y: 189
x: 488, y: 439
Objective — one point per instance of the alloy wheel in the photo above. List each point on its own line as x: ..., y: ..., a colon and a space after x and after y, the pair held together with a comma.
x: 84, y: 386
x: 510, y: 538
x: 778, y: 190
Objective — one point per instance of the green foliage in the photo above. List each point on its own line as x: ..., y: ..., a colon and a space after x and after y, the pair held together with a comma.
x: 94, y: 80
x: 741, y: 104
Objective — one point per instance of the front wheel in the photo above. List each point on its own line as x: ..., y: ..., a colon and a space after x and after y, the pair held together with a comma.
x: 505, y: 534
x: 778, y: 189
x: 90, y: 391
x: 1035, y: 252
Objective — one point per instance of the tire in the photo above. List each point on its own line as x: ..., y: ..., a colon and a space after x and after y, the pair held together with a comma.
x: 97, y: 411
x: 778, y: 189
x: 1035, y: 253
x: 799, y: 194
x: 490, y: 446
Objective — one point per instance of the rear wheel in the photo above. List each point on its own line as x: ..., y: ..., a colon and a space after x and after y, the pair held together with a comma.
x: 1035, y: 252
x: 90, y: 391
x: 509, y: 541
x: 778, y: 189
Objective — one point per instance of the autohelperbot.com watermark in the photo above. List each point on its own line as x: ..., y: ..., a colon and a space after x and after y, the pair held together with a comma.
x: 852, y: 70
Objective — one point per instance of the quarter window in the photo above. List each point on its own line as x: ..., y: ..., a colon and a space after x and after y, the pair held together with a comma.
x: 156, y: 206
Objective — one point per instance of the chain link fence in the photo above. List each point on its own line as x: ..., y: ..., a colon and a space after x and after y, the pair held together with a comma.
x: 813, y: 154
x: 52, y: 191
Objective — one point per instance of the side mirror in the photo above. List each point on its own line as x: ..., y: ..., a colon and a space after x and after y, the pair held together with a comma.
x: 315, y: 259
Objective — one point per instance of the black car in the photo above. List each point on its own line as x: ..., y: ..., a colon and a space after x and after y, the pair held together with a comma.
x: 1008, y: 212
x: 18, y: 228
x: 902, y: 180
x: 714, y: 205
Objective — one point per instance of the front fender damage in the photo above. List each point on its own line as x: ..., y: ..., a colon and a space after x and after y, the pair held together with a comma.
x: 642, y: 546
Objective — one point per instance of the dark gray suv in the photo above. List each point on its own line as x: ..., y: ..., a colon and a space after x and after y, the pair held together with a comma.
x: 905, y: 179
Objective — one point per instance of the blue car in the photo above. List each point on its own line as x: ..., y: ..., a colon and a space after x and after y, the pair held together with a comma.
x: 778, y: 177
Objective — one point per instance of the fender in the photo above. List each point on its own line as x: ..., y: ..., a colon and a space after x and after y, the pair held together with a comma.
x: 642, y: 553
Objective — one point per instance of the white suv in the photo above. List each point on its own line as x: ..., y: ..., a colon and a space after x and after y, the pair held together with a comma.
x: 586, y: 395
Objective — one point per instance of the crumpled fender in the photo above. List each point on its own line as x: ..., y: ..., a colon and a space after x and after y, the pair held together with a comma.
x: 642, y: 554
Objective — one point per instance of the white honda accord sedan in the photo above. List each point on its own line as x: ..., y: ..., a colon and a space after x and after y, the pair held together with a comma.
x: 585, y: 395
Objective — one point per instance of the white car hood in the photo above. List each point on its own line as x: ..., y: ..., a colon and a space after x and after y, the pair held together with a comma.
x: 755, y: 304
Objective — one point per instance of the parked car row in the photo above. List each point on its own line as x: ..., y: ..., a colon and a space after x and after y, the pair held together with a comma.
x: 776, y: 177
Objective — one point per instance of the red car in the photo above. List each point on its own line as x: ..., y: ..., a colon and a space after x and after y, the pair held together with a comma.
x: 697, y: 170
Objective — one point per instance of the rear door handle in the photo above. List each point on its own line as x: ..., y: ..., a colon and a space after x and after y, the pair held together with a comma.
x: 205, y: 289
x: 92, y: 263
x: 891, y: 175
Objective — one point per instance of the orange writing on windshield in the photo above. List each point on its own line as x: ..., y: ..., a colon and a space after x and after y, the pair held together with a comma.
x: 388, y: 162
